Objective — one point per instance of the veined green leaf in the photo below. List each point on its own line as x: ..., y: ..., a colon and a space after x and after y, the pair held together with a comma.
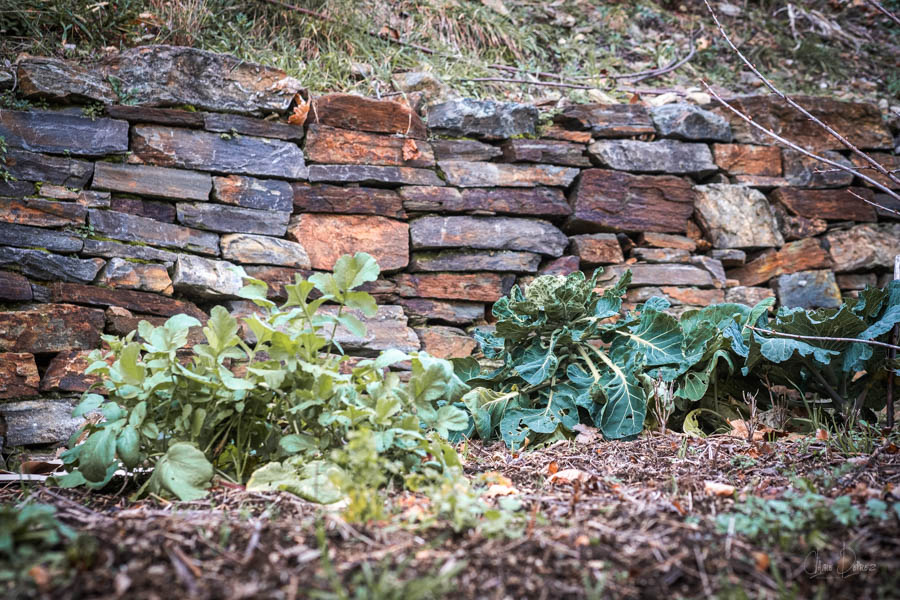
x: 487, y: 408
x: 536, y: 364
x: 183, y: 471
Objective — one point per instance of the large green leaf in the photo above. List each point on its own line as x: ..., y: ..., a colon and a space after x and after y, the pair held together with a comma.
x: 487, y: 408
x: 656, y: 335
x: 626, y: 404
x: 183, y: 471
x: 536, y: 364
x: 313, y: 481
x: 350, y: 272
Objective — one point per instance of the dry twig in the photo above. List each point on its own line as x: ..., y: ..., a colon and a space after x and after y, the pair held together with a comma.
x: 823, y: 338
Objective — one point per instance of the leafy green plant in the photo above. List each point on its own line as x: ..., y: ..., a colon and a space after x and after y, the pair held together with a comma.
x: 568, y: 359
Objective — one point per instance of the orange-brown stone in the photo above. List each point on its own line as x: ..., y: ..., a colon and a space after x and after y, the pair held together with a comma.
x: 476, y: 287
x: 18, y: 375
x: 745, y: 159
x: 326, y: 237
x: 349, y: 111
x: 343, y: 146
x: 802, y: 255
x: 446, y: 342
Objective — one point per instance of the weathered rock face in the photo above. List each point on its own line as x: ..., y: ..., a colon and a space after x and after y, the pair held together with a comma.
x: 41, y: 213
x: 327, y: 237
x: 484, y: 119
x: 18, y: 375
x: 546, y: 151
x: 802, y: 171
x: 348, y: 111
x: 657, y: 274
x: 66, y: 373
x: 736, y: 217
x: 538, y: 201
x: 803, y: 255
x: 249, y: 192
x: 808, y: 289
x: 60, y: 133
x: 50, y: 328
x: 157, y: 210
x: 131, y: 228
x: 446, y: 342
x: 730, y: 257
x: 751, y: 296
x: 678, y: 296
x: 14, y: 287
x: 350, y: 200
x: 62, y: 81
x: 342, y: 146
x: 142, y: 302
x: 120, y: 273
x: 262, y: 250
x: 469, y: 260
x: 16, y: 188
x: 204, y: 151
x: 233, y: 219
x: 795, y: 227
x: 373, y: 175
x: 664, y: 156
x: 493, y: 233
x: 249, y: 126
x: 613, y: 201
x: 890, y: 162
x: 110, y: 249
x: 387, y: 329
x: 607, y: 120
x: 597, y: 248
x: 476, y: 287
x: 464, y: 150
x: 51, y: 267
x: 667, y: 240
x: 834, y: 205
x: 863, y: 246
x: 176, y: 75
x: 856, y: 281
x: 860, y: 123
x: 30, y: 166
x: 684, y: 121
x: 561, y: 266
x: 660, y: 255
x: 205, y: 278
x: 157, y: 182
x: 480, y: 174
x: 744, y: 159
x: 39, y: 422
x: 24, y: 236
x: 458, y: 313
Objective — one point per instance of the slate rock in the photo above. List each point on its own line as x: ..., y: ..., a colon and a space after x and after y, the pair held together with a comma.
x: 736, y: 217
x: 795, y: 227
x: 856, y: 281
x: 677, y: 296
x: 663, y: 156
x: 561, y: 266
x: 446, y: 342
x: 491, y: 233
x: 225, y: 123
x: 464, y: 150
x: 730, y: 257
x: 469, y: 260
x: 131, y: 228
x: 607, y: 120
x: 597, y: 248
x: 263, y: 250
x: 152, y: 209
x: 39, y: 422
x: 23, y: 236
x: 18, y: 375
x: 66, y: 373
x: 205, y: 278
x: 159, y: 75
x: 808, y: 289
x: 249, y: 192
x: 14, y: 287
x: 156, y: 116
x: 110, y: 249
x: 350, y: 200
x: 30, y: 166
x: 890, y: 162
x: 373, y: 175
x: 16, y: 188
x: 537, y: 201
x: 121, y: 273
x: 143, y: 302
x: 156, y: 182
x: 349, y: 111
x: 748, y: 295
x: 51, y: 267
x: 667, y: 240
x: 484, y: 119
x: 61, y: 133
x: 327, y: 237
x: 387, y: 329
x: 50, y: 328
x: 832, y: 205
x: 802, y: 171
x: 343, y: 146
x: 448, y: 311
x: 481, y: 174
x: 473, y: 287
x: 660, y: 255
x: 606, y: 200
x: 41, y: 213
x: 684, y: 121
x: 62, y: 81
x: 746, y: 159
x: 546, y: 151
x: 204, y: 151
x: 232, y: 219
x: 713, y: 266
x: 864, y: 246
x: 659, y: 274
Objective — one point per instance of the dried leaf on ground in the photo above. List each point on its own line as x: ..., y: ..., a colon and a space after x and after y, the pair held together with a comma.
x: 713, y: 488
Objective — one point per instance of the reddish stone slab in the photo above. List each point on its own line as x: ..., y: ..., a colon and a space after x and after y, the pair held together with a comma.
x: 546, y: 151
x: 607, y: 120
x: 14, y: 287
x: 616, y: 201
x: 121, y: 273
x: 228, y: 123
x: 343, y: 146
x: 249, y: 192
x: 596, y: 248
x: 66, y: 373
x: 832, y: 205
x: 678, y: 296
x: 449, y: 311
x: 446, y: 342
x: 158, y: 182
x: 481, y: 174
x: 41, y: 213
x: 327, y: 237
x: 890, y: 162
x: 745, y: 159
x: 164, y: 212
x: 349, y: 111
x: 18, y: 375
x: 143, y: 302
x: 797, y: 256
x: 474, y: 287
x: 51, y: 328
x: 667, y: 240
x: 349, y: 200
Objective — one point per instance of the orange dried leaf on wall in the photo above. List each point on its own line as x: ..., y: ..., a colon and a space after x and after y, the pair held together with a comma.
x: 410, y: 149
x: 301, y: 110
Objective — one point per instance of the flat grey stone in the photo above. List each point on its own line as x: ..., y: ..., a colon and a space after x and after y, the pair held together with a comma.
x: 663, y: 156
x: 485, y: 119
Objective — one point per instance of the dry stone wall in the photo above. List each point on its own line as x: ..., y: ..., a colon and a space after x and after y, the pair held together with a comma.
x: 146, y: 208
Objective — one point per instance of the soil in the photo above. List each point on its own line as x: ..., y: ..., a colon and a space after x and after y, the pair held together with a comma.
x: 633, y: 520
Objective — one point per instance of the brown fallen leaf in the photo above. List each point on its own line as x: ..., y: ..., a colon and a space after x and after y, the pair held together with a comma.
x: 762, y: 561
x: 40, y: 575
x: 821, y: 434
x: 713, y: 488
x: 570, y: 476
x: 582, y: 540
x: 586, y: 434
x: 740, y: 429
x: 553, y: 467
x: 300, y: 112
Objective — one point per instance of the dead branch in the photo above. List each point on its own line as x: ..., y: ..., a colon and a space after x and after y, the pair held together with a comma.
x: 880, y: 7
x: 875, y: 164
x: 875, y: 204
x: 823, y: 338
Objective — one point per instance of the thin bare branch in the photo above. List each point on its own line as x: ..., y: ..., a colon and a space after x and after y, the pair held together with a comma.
x: 824, y: 339
x: 887, y: 13
x: 529, y: 82
x: 875, y: 204
x: 875, y: 164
